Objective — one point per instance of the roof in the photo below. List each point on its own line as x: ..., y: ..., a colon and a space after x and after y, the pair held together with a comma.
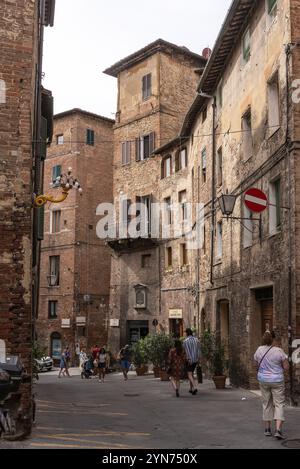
x: 168, y: 146
x: 226, y: 42
x: 85, y: 113
x: 159, y: 45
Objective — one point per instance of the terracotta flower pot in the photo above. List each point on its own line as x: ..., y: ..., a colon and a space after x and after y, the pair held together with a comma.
x: 164, y: 375
x: 156, y: 371
x: 141, y: 370
x: 220, y: 381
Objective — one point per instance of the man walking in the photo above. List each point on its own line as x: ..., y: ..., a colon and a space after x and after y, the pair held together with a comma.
x: 192, y: 350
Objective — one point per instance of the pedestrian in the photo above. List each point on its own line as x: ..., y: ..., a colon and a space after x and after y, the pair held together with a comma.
x: 62, y: 365
x: 271, y: 364
x: 192, y: 350
x: 177, y: 363
x: 67, y: 355
x: 102, y: 364
x: 95, y: 352
x: 82, y: 358
x: 125, y: 357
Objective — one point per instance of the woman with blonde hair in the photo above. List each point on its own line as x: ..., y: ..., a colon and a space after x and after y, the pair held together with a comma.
x: 271, y: 364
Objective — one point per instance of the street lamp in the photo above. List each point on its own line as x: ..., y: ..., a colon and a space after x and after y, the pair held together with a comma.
x: 67, y: 182
x: 227, y: 204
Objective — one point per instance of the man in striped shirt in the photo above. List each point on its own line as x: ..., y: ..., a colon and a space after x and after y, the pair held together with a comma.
x: 192, y: 349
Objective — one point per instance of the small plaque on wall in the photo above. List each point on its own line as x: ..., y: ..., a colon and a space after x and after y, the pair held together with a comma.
x: 114, y: 322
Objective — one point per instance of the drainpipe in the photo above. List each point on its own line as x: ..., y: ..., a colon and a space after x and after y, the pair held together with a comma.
x: 213, y: 192
x: 288, y: 51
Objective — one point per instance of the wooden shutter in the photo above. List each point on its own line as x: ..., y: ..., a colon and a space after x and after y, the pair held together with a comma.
x: 40, y: 223
x: 144, y: 87
x: 138, y: 149
x: 152, y: 143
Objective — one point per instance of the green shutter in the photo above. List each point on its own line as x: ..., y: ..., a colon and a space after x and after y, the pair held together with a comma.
x: 43, y: 143
x: 40, y: 223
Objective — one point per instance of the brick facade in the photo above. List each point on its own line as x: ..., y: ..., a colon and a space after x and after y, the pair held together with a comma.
x: 83, y: 289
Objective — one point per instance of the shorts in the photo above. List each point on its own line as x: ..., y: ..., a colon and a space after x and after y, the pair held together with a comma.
x: 125, y: 364
x: 102, y: 365
x: 190, y: 368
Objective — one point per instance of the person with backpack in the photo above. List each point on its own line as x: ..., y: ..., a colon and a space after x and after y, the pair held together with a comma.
x: 271, y: 364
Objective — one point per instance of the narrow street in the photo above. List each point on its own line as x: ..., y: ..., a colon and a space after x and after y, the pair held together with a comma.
x: 143, y: 413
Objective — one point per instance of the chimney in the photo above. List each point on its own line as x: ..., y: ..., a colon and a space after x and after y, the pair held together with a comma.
x: 206, y: 53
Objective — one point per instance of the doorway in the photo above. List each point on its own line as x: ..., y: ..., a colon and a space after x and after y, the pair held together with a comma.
x: 176, y: 327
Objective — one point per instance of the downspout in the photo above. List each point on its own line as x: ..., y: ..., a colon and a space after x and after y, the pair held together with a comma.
x: 288, y: 51
x: 213, y: 192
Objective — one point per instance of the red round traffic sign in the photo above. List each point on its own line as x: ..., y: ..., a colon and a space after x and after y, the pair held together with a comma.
x: 256, y: 200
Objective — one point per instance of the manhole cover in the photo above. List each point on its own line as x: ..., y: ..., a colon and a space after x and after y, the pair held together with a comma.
x: 131, y: 395
x: 292, y: 444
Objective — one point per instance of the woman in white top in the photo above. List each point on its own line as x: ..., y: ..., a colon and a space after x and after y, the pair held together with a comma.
x: 272, y: 362
x: 102, y: 363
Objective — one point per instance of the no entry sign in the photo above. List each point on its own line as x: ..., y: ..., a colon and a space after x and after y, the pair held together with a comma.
x: 255, y: 200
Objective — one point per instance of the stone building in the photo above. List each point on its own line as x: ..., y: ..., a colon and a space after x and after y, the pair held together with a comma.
x: 25, y: 128
x: 156, y: 86
x: 242, y: 132
x: 75, y: 263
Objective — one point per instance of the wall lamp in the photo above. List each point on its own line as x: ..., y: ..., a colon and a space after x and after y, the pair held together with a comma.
x: 66, y: 182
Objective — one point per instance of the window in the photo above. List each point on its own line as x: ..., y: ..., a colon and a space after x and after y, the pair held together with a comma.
x: 90, y: 137
x: 219, y: 240
x: 167, y: 167
x: 273, y: 104
x: 275, y: 206
x: 55, y: 225
x: 147, y: 86
x: 126, y: 152
x: 145, y: 146
x: 204, y: 114
x: 183, y: 255
x: 140, y: 297
x: 220, y: 167
x: 169, y: 260
x: 125, y: 217
x: 272, y: 7
x: 56, y: 172
x: 183, y: 158
x: 183, y: 205
x: 145, y: 215
x: 246, y: 46
x: 247, y: 228
x: 146, y: 260
x: 52, y: 309
x: 54, y: 262
x: 219, y: 97
x: 60, y: 139
x: 168, y: 207
x: 247, y: 145
x: 56, y: 345
x: 203, y: 164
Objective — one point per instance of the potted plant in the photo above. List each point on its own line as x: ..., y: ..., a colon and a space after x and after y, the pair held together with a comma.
x: 214, y: 352
x: 139, y: 358
x: 158, y: 347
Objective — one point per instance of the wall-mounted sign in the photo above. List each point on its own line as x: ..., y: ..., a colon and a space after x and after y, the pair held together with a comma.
x: 114, y: 322
x: 81, y: 320
x: 175, y: 313
x: 65, y: 323
x: 255, y: 200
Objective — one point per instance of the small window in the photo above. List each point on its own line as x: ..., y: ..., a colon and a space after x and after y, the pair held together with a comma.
x: 166, y: 167
x: 168, y: 207
x: 126, y: 152
x: 183, y: 158
x: 60, y: 139
x: 246, y: 46
x: 247, y: 135
x: 275, y: 206
x: 146, y: 261
x: 147, y: 86
x: 169, y: 260
x: 203, y: 164
x: 273, y: 104
x: 219, y: 240
x: 145, y: 146
x: 183, y: 205
x: 90, y: 137
x: 54, y: 262
x: 56, y: 172
x: 272, y: 7
x: 183, y: 255
x: 52, y: 309
x: 219, y: 97
x: 56, y: 216
x: 204, y: 114
x: 220, y: 167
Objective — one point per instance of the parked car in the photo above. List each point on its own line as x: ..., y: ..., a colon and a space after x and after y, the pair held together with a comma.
x: 44, y: 364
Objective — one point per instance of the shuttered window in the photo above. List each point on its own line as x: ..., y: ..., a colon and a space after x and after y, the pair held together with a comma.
x: 145, y: 146
x: 126, y: 152
x: 147, y: 85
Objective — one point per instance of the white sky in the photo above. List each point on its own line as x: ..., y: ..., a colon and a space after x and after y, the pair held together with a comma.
x: 90, y: 35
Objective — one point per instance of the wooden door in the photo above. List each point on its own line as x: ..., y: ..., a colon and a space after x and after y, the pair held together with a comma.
x: 267, y: 315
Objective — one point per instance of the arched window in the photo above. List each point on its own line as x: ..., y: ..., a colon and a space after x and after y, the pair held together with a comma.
x: 166, y: 167
x: 56, y: 346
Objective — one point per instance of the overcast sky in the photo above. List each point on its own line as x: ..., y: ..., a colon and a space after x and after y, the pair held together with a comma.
x: 90, y: 35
